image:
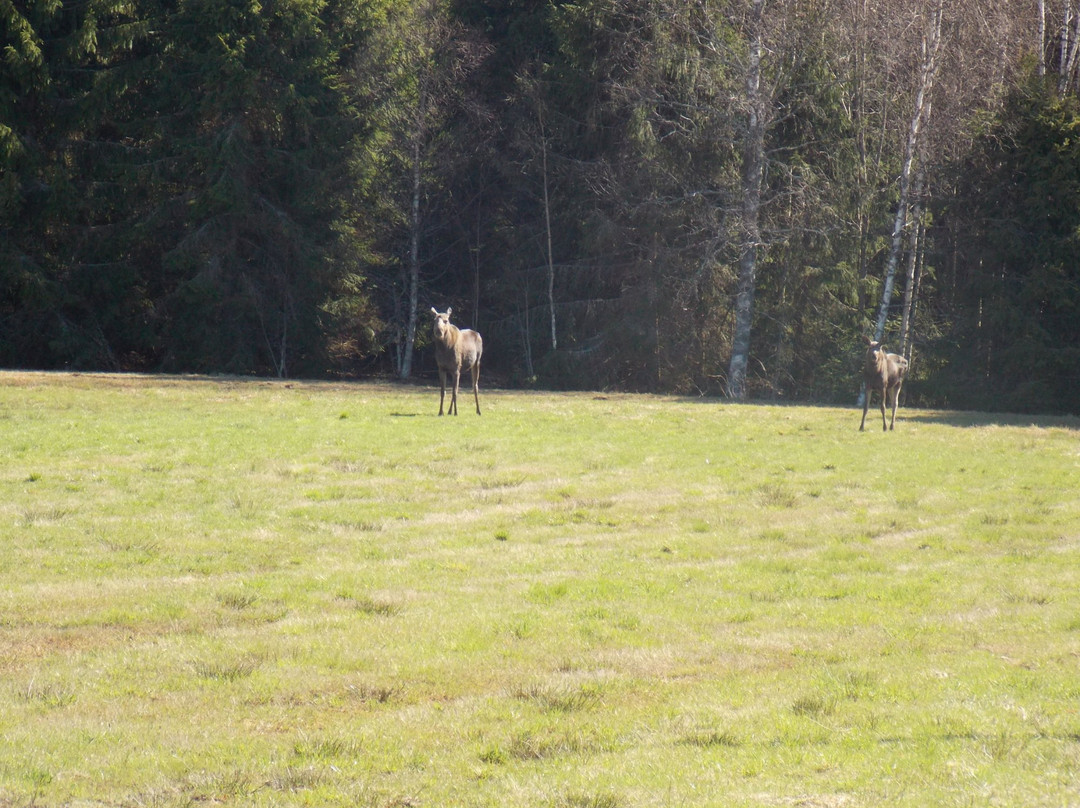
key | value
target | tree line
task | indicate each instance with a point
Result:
(716, 197)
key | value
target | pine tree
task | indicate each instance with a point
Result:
(66, 291)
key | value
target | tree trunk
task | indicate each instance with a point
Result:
(526, 337)
(931, 46)
(914, 244)
(753, 173)
(920, 265)
(1042, 37)
(547, 225)
(863, 172)
(1070, 47)
(413, 281)
(476, 271)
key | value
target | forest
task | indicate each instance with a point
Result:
(702, 197)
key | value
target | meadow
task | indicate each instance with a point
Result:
(249, 592)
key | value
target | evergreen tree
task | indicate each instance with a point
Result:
(67, 294)
(1014, 340)
(248, 130)
(171, 184)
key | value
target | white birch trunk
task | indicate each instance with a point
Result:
(912, 262)
(931, 47)
(1042, 36)
(1063, 42)
(750, 224)
(1065, 46)
(1070, 47)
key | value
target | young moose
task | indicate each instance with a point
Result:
(883, 374)
(456, 349)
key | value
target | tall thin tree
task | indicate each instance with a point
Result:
(919, 117)
(753, 174)
(411, 78)
(547, 219)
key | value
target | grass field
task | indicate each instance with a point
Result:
(267, 593)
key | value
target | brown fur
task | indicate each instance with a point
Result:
(883, 373)
(456, 349)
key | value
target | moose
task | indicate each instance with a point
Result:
(883, 373)
(456, 349)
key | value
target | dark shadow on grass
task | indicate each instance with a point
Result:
(977, 419)
(958, 418)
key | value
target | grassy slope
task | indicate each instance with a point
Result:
(308, 594)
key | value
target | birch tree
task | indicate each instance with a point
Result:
(410, 78)
(537, 90)
(1041, 37)
(1069, 53)
(753, 174)
(784, 79)
(1058, 37)
(916, 238)
(919, 117)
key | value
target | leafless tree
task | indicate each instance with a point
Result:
(931, 49)
(753, 174)
(412, 74)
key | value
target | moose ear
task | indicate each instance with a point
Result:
(865, 338)
(433, 311)
(448, 311)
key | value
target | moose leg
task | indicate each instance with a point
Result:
(884, 395)
(476, 385)
(865, 407)
(453, 398)
(442, 389)
(895, 400)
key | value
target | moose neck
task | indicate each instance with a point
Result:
(449, 335)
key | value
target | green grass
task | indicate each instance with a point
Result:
(263, 593)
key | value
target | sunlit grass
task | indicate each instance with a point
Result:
(264, 593)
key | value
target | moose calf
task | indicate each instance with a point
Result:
(883, 374)
(456, 349)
